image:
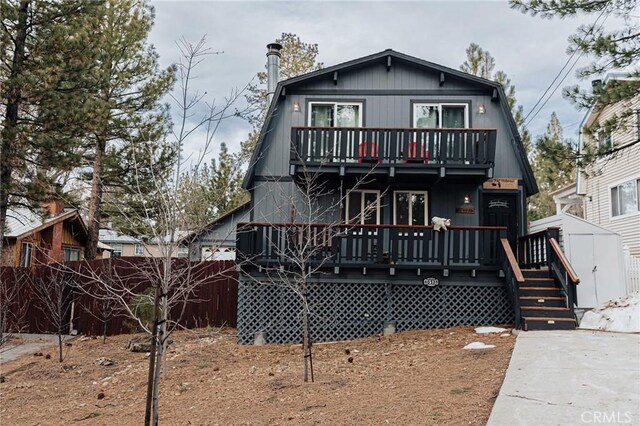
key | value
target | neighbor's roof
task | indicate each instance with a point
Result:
(22, 221)
(114, 237)
(529, 179)
(226, 216)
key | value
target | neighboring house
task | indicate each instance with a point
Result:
(33, 238)
(121, 245)
(611, 185)
(217, 240)
(158, 246)
(430, 141)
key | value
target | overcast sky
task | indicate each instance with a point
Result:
(531, 50)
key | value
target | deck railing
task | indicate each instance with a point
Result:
(370, 245)
(320, 145)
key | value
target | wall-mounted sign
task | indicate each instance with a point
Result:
(500, 183)
(498, 204)
(465, 210)
(430, 282)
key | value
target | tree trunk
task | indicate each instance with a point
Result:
(60, 344)
(95, 203)
(152, 357)
(306, 343)
(9, 139)
(164, 316)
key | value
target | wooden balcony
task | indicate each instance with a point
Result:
(374, 246)
(438, 152)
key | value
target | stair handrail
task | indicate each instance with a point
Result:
(513, 278)
(560, 267)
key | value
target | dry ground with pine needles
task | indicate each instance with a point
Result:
(417, 377)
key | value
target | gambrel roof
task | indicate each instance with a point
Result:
(390, 57)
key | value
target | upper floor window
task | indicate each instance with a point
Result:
(363, 207)
(604, 139)
(139, 249)
(625, 198)
(117, 250)
(410, 208)
(435, 116)
(335, 114)
(25, 255)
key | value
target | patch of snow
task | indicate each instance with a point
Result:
(620, 315)
(489, 330)
(478, 345)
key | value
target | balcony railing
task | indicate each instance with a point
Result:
(370, 245)
(358, 145)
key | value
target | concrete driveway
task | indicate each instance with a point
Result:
(571, 378)
(27, 344)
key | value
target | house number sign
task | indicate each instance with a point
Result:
(430, 282)
(497, 204)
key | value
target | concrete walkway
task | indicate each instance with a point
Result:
(28, 345)
(571, 378)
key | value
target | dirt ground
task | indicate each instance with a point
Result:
(418, 377)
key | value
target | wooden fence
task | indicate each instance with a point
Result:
(211, 300)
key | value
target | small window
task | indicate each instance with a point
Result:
(139, 250)
(117, 250)
(435, 116)
(71, 254)
(363, 207)
(26, 254)
(335, 114)
(604, 139)
(625, 198)
(182, 251)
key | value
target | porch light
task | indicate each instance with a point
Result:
(481, 109)
(466, 207)
(296, 106)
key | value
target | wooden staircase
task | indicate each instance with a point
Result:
(540, 282)
(542, 304)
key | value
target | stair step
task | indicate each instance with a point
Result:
(535, 273)
(549, 301)
(546, 311)
(548, 323)
(539, 282)
(540, 292)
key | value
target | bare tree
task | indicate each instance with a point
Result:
(304, 247)
(52, 290)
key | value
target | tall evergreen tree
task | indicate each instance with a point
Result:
(211, 190)
(45, 72)
(297, 58)
(126, 113)
(552, 167)
(611, 48)
(481, 63)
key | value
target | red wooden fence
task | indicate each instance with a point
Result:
(212, 299)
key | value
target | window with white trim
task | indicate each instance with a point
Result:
(138, 250)
(625, 198)
(604, 139)
(363, 207)
(440, 115)
(117, 249)
(335, 114)
(410, 208)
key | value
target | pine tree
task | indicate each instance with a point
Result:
(217, 186)
(481, 63)
(297, 58)
(45, 72)
(126, 113)
(612, 48)
(552, 167)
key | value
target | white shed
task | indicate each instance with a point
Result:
(595, 254)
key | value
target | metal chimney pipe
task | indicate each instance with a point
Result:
(273, 69)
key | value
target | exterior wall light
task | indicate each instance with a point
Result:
(481, 109)
(296, 106)
(466, 207)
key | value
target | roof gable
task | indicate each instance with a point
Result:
(22, 221)
(389, 57)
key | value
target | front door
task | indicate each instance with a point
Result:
(502, 210)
